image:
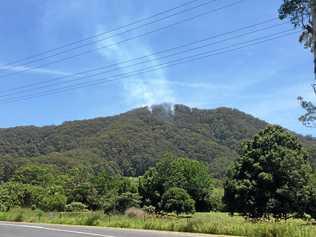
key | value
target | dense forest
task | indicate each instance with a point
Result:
(162, 159)
(132, 142)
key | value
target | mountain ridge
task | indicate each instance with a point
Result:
(136, 139)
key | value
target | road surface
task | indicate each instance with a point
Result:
(11, 229)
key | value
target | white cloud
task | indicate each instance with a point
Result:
(144, 89)
(25, 69)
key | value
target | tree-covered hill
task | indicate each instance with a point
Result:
(135, 140)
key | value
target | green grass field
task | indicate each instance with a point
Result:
(212, 223)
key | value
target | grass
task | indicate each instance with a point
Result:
(211, 223)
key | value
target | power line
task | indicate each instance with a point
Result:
(102, 33)
(128, 39)
(41, 85)
(118, 34)
(172, 63)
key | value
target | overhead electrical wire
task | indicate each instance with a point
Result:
(115, 35)
(56, 81)
(196, 57)
(101, 33)
(127, 39)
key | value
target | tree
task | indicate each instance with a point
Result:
(126, 200)
(216, 199)
(190, 175)
(6, 199)
(35, 174)
(302, 13)
(54, 199)
(84, 193)
(177, 200)
(312, 201)
(271, 176)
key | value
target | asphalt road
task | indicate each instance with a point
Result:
(10, 229)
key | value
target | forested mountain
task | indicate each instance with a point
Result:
(133, 141)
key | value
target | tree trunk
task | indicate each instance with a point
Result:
(314, 34)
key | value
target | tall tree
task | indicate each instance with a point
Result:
(190, 175)
(270, 178)
(302, 14)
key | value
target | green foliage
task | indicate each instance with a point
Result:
(131, 142)
(20, 195)
(53, 200)
(76, 207)
(50, 168)
(299, 12)
(216, 199)
(85, 193)
(190, 175)
(270, 177)
(34, 174)
(312, 201)
(177, 200)
(35, 186)
(5, 200)
(209, 223)
(127, 200)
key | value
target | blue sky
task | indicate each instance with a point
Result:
(262, 80)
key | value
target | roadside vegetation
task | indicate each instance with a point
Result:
(212, 223)
(269, 191)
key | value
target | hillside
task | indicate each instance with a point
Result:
(135, 140)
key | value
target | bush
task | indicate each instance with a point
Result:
(127, 200)
(92, 220)
(53, 203)
(11, 195)
(108, 204)
(135, 212)
(177, 200)
(4, 207)
(149, 209)
(19, 217)
(215, 199)
(76, 207)
(191, 175)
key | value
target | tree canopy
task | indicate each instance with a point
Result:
(132, 142)
(192, 176)
(270, 178)
(177, 200)
(302, 14)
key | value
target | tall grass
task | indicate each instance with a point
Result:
(211, 223)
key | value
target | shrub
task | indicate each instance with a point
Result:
(4, 207)
(127, 200)
(76, 207)
(19, 217)
(191, 175)
(135, 212)
(177, 200)
(149, 209)
(92, 220)
(53, 203)
(108, 204)
(215, 199)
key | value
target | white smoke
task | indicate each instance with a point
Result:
(142, 90)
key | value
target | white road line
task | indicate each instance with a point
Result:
(56, 230)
